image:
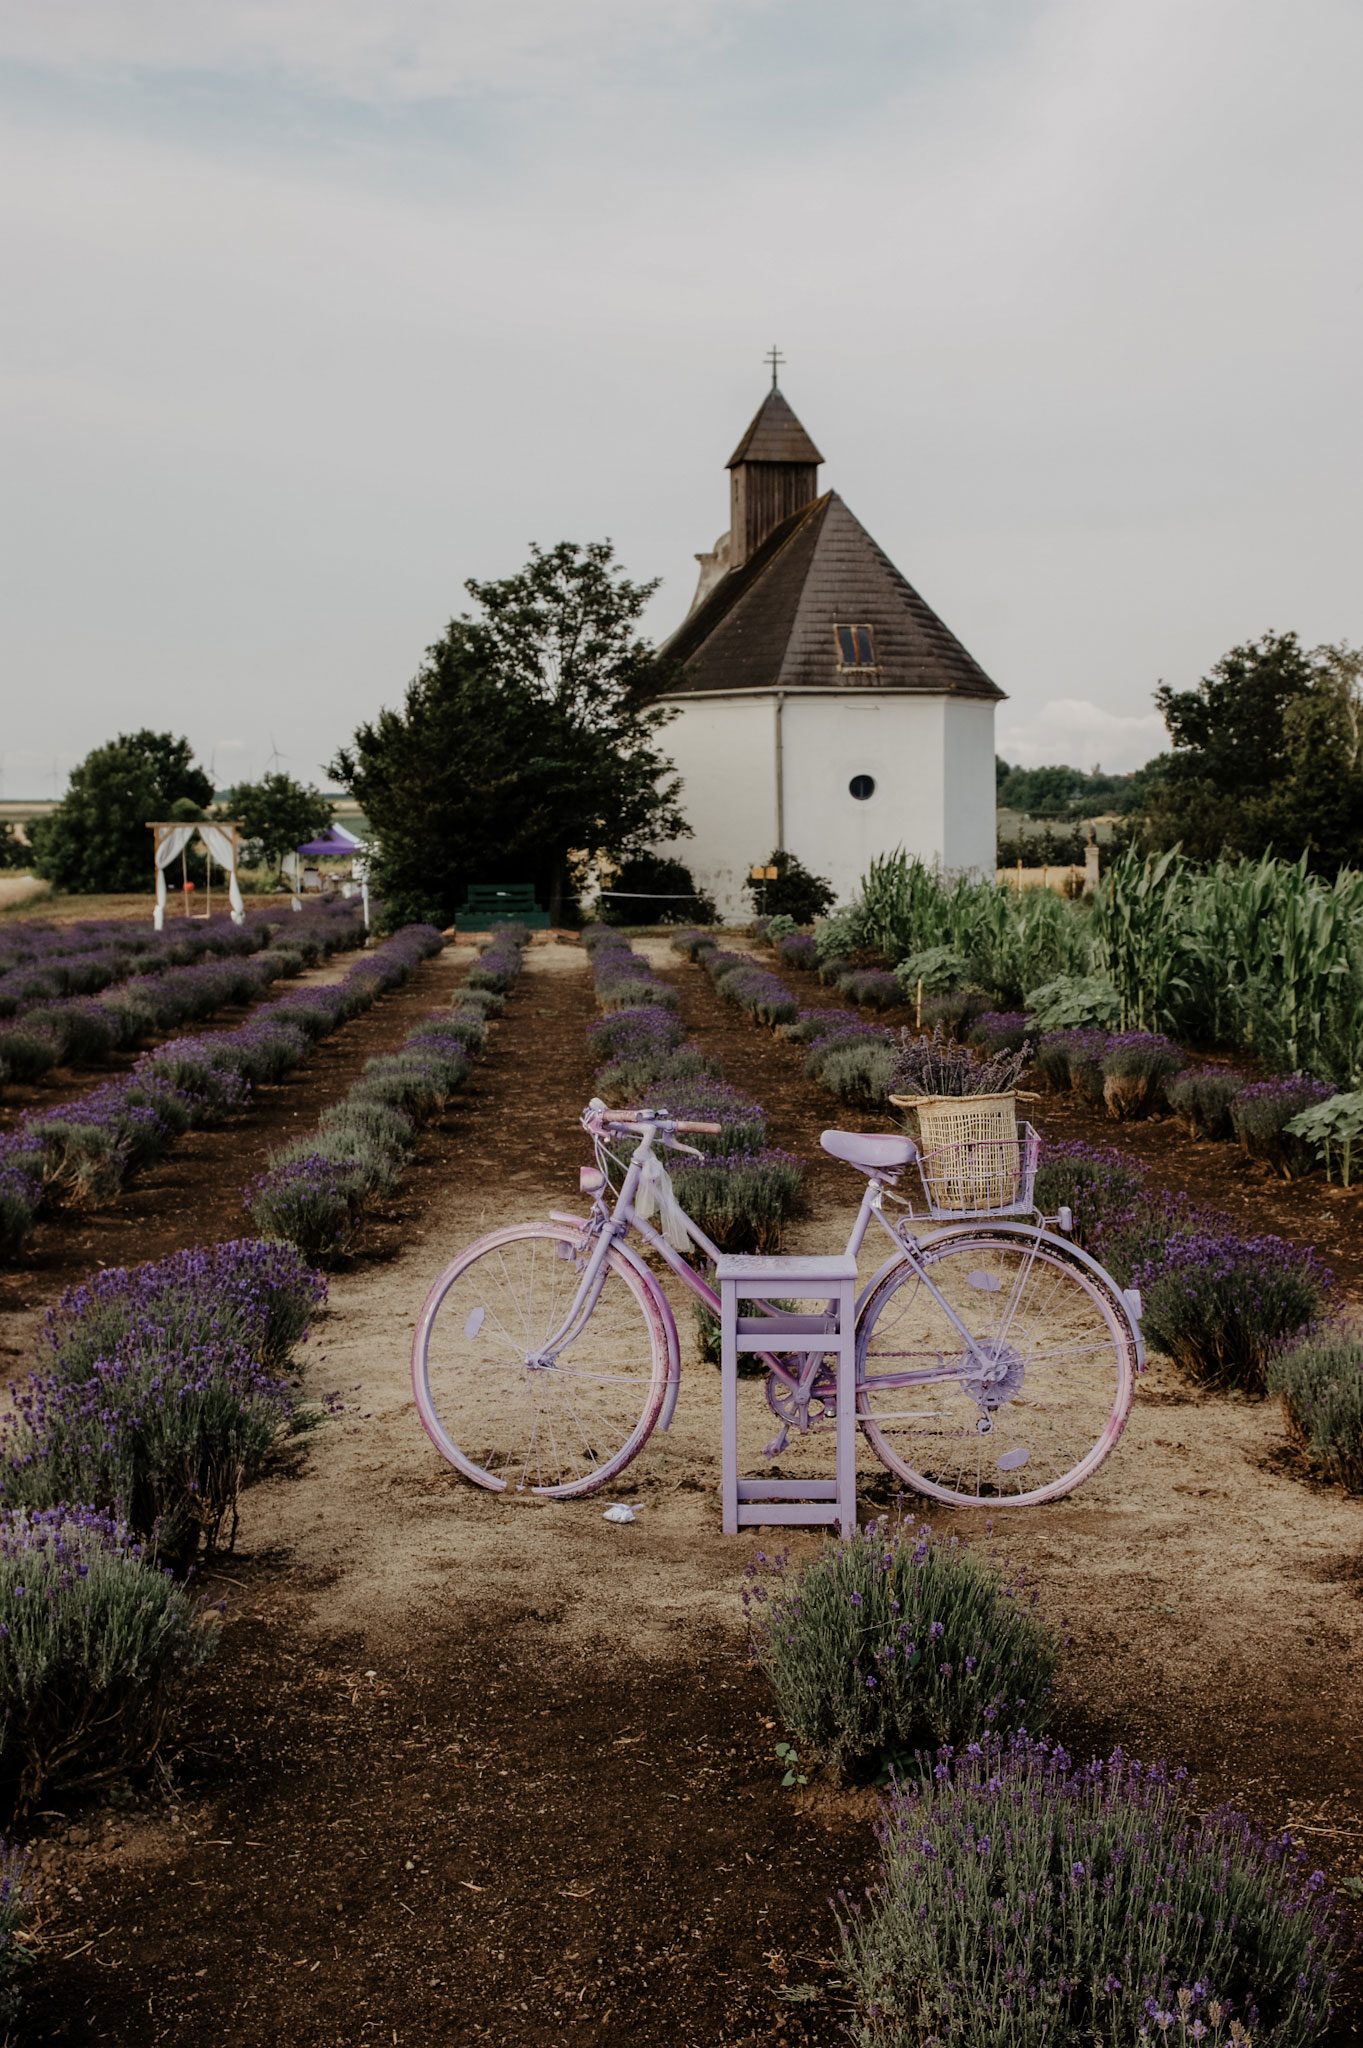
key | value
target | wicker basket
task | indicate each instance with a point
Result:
(971, 1154)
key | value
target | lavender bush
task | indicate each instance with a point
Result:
(693, 943)
(875, 987)
(957, 1010)
(1320, 1384)
(1136, 1068)
(1095, 1185)
(856, 1062)
(159, 1398)
(26, 1052)
(312, 1200)
(1261, 1113)
(262, 1296)
(498, 969)
(624, 1034)
(814, 1024)
(741, 1199)
(757, 992)
(860, 1072)
(1025, 1902)
(891, 1642)
(164, 1439)
(798, 949)
(1073, 1060)
(485, 999)
(743, 1122)
(996, 1031)
(1200, 1098)
(623, 1081)
(1218, 1304)
(95, 1647)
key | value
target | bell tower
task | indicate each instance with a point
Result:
(773, 472)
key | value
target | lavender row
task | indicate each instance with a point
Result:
(78, 1029)
(741, 1190)
(158, 1395)
(316, 1189)
(740, 978)
(83, 1153)
(622, 978)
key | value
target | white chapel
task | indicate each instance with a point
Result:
(824, 708)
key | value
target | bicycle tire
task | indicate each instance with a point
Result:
(554, 1430)
(1057, 1382)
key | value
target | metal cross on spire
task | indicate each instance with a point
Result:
(774, 357)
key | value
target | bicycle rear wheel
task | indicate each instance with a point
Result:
(502, 1417)
(1033, 1407)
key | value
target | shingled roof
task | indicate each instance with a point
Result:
(774, 436)
(769, 623)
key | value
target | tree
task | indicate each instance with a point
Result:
(527, 738)
(276, 815)
(14, 851)
(795, 892)
(651, 890)
(97, 838)
(1266, 754)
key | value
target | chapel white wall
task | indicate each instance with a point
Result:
(931, 759)
(725, 755)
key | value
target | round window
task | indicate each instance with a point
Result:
(862, 786)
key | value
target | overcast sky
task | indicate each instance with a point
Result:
(317, 307)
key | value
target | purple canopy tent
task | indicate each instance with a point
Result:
(334, 843)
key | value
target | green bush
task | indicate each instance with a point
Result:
(939, 968)
(1320, 1384)
(1073, 1001)
(839, 935)
(891, 1642)
(95, 1646)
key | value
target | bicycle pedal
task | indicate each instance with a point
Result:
(777, 1445)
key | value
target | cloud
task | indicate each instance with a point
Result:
(1069, 297)
(405, 49)
(1076, 733)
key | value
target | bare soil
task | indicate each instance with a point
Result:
(470, 1769)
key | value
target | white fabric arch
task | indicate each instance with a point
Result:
(220, 844)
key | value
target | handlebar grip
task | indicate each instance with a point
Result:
(714, 1129)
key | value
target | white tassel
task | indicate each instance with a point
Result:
(656, 1193)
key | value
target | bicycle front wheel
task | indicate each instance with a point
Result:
(1032, 1405)
(506, 1413)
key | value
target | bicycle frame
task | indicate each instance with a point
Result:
(611, 1224)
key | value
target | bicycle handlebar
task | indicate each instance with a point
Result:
(599, 1112)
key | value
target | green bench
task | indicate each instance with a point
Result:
(493, 903)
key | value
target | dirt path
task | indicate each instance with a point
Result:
(477, 1770)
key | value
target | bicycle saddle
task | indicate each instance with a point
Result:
(870, 1151)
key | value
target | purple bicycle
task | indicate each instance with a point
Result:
(996, 1361)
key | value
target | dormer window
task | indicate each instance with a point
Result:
(856, 647)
